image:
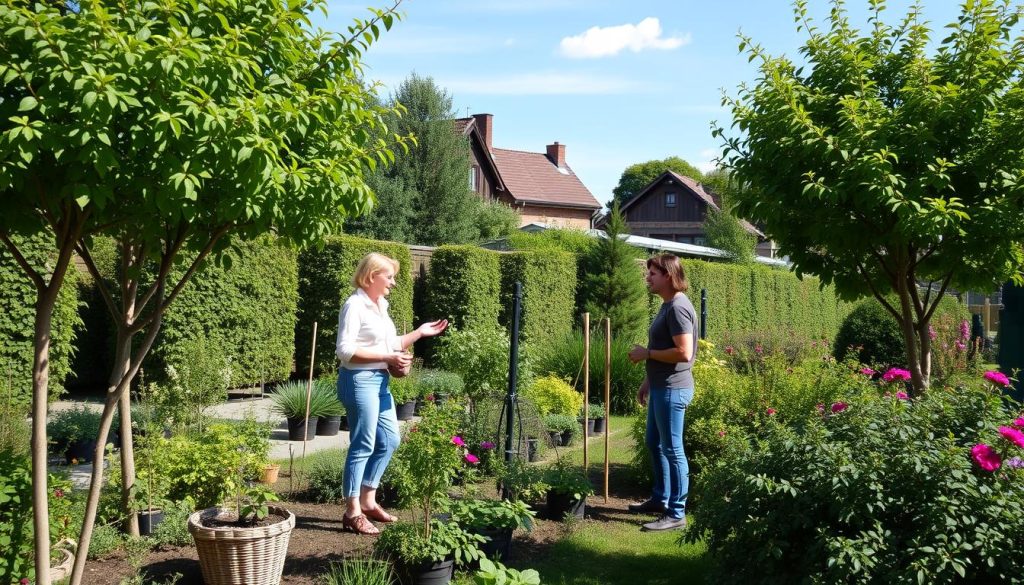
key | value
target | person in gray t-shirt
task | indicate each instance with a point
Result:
(667, 390)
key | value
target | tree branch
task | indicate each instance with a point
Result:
(32, 273)
(90, 264)
(938, 298)
(878, 295)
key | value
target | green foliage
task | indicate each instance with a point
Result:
(433, 382)
(481, 357)
(242, 306)
(563, 358)
(565, 478)
(193, 383)
(884, 491)
(106, 538)
(879, 164)
(639, 175)
(615, 286)
(463, 286)
(485, 514)
(408, 543)
(201, 465)
(492, 573)
(497, 220)
(289, 400)
(16, 561)
(561, 423)
(553, 395)
(17, 321)
(325, 282)
(725, 232)
(549, 289)
(871, 335)
(173, 531)
(577, 242)
(522, 481)
(404, 389)
(79, 423)
(595, 410)
(326, 480)
(14, 427)
(359, 571)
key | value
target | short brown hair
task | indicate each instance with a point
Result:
(371, 264)
(670, 265)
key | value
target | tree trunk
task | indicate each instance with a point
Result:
(918, 375)
(122, 365)
(45, 301)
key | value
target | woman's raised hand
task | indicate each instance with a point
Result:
(433, 328)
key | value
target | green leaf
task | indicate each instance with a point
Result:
(27, 103)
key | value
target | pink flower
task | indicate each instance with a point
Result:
(758, 349)
(770, 412)
(965, 330)
(1012, 435)
(838, 407)
(1019, 423)
(470, 458)
(902, 395)
(896, 374)
(820, 407)
(486, 445)
(24, 581)
(960, 346)
(429, 398)
(986, 457)
(931, 332)
(996, 377)
(457, 440)
(867, 372)
(58, 493)
(721, 433)
(729, 350)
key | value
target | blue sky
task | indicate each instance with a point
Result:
(616, 81)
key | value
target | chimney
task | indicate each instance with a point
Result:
(556, 152)
(484, 123)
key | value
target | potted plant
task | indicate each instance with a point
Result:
(595, 412)
(247, 544)
(150, 481)
(289, 401)
(324, 401)
(520, 481)
(404, 393)
(425, 550)
(532, 449)
(568, 488)
(495, 520)
(436, 385)
(74, 432)
(564, 425)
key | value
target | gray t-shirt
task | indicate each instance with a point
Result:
(675, 317)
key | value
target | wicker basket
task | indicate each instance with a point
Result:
(241, 556)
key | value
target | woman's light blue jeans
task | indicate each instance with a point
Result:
(373, 427)
(666, 411)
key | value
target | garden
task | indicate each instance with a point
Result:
(176, 177)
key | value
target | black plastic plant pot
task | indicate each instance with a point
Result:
(556, 438)
(429, 573)
(406, 410)
(590, 427)
(328, 426)
(148, 521)
(499, 543)
(559, 504)
(297, 428)
(532, 449)
(567, 438)
(80, 451)
(599, 425)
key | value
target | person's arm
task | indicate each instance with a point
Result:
(425, 330)
(347, 350)
(681, 351)
(643, 392)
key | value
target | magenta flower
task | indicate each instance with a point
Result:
(986, 457)
(24, 581)
(486, 445)
(721, 433)
(996, 377)
(58, 493)
(894, 374)
(867, 372)
(470, 458)
(820, 407)
(902, 395)
(1019, 423)
(960, 346)
(1012, 435)
(758, 349)
(729, 350)
(838, 407)
(457, 440)
(965, 330)
(770, 412)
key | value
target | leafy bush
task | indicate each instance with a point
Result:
(484, 514)
(563, 358)
(433, 382)
(106, 538)
(203, 466)
(194, 381)
(481, 355)
(404, 389)
(577, 242)
(463, 286)
(549, 289)
(871, 335)
(359, 571)
(561, 423)
(289, 400)
(492, 573)
(878, 490)
(16, 548)
(553, 395)
(79, 423)
(326, 480)
(173, 531)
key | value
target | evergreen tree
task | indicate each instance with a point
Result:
(615, 284)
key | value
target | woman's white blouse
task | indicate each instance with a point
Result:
(365, 324)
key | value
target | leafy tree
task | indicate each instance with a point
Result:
(723, 229)
(614, 285)
(172, 127)
(495, 219)
(392, 215)
(638, 176)
(879, 166)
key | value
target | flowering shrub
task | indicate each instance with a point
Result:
(887, 491)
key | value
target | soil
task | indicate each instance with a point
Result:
(230, 521)
(318, 540)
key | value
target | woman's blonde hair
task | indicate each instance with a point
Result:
(371, 264)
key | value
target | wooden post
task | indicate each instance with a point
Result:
(309, 390)
(607, 395)
(586, 385)
(986, 316)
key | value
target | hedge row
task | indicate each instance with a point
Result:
(17, 322)
(325, 281)
(245, 306)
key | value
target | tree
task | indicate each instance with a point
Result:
(723, 229)
(879, 167)
(614, 285)
(638, 176)
(173, 128)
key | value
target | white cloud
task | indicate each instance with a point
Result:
(611, 40)
(548, 83)
(707, 162)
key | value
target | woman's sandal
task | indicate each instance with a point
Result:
(379, 515)
(359, 525)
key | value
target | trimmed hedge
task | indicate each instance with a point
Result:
(577, 242)
(549, 289)
(464, 286)
(759, 298)
(17, 320)
(325, 281)
(244, 301)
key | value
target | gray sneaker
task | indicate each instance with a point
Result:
(665, 523)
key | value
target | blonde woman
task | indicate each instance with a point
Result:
(368, 345)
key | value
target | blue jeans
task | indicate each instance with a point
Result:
(373, 427)
(666, 410)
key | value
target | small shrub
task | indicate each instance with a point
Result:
(404, 389)
(480, 355)
(553, 395)
(16, 560)
(79, 423)
(434, 382)
(173, 531)
(106, 538)
(359, 571)
(326, 477)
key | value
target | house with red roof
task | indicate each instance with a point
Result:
(540, 185)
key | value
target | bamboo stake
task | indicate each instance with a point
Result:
(309, 390)
(607, 395)
(586, 385)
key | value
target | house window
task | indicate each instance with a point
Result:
(670, 199)
(472, 179)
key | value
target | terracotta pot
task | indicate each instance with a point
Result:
(270, 474)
